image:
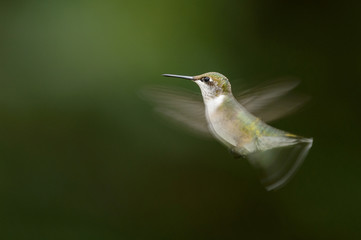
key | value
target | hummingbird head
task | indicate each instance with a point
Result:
(212, 84)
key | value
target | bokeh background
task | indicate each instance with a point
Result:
(82, 156)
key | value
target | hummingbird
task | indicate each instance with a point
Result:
(240, 123)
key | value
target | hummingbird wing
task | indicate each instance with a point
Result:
(181, 106)
(271, 101)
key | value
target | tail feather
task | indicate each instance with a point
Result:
(276, 166)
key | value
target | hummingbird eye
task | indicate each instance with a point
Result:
(205, 79)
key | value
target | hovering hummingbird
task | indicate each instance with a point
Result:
(276, 154)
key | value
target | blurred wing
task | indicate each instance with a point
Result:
(272, 100)
(181, 106)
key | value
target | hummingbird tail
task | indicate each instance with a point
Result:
(276, 166)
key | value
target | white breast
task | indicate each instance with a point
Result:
(213, 103)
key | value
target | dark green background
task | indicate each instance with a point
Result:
(82, 156)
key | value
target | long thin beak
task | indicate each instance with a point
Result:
(178, 76)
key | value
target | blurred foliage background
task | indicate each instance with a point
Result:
(82, 156)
